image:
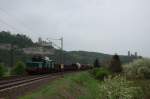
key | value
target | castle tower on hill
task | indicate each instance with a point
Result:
(136, 54)
(129, 54)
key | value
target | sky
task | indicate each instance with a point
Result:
(107, 26)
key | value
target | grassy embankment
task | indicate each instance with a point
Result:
(77, 86)
(72, 86)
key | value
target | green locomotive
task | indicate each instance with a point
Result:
(40, 65)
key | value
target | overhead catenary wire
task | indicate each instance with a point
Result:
(16, 19)
(12, 27)
(12, 17)
(60, 47)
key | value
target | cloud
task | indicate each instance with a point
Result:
(108, 26)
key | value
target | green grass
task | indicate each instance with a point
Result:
(84, 86)
(145, 85)
(72, 86)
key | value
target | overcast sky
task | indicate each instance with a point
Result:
(108, 26)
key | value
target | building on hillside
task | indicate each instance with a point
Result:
(5, 46)
(38, 50)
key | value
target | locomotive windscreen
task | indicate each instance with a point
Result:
(37, 58)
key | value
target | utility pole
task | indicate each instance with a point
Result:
(12, 55)
(60, 47)
(61, 50)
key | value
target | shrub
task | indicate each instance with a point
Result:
(19, 69)
(119, 88)
(2, 70)
(138, 68)
(100, 73)
(115, 64)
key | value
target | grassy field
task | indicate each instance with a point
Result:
(78, 86)
(72, 86)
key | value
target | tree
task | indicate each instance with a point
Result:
(19, 69)
(96, 63)
(19, 40)
(115, 64)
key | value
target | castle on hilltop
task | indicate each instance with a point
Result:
(132, 55)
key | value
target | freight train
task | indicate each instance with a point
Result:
(42, 65)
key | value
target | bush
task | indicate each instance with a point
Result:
(19, 69)
(115, 64)
(138, 69)
(100, 73)
(2, 70)
(119, 88)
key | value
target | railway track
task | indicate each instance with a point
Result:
(13, 79)
(4, 84)
(8, 84)
(13, 88)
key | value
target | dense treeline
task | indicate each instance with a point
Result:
(17, 39)
(22, 41)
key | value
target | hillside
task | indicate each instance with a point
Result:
(22, 41)
(89, 57)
